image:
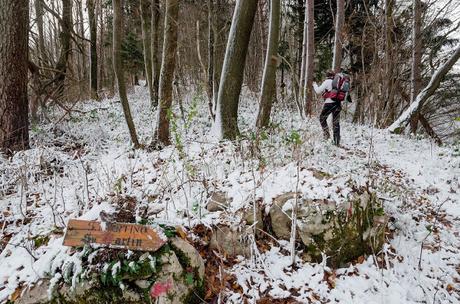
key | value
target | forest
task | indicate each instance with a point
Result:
(229, 151)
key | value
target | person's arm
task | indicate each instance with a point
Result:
(320, 89)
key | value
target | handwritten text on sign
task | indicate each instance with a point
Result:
(114, 235)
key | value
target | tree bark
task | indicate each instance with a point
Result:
(66, 28)
(93, 48)
(308, 93)
(339, 19)
(233, 69)
(220, 34)
(416, 80)
(155, 50)
(303, 63)
(118, 68)
(146, 42)
(14, 27)
(400, 124)
(42, 54)
(210, 80)
(271, 63)
(167, 72)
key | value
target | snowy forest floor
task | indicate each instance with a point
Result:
(76, 166)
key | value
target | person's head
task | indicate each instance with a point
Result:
(330, 74)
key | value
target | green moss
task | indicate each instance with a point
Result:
(347, 242)
(40, 240)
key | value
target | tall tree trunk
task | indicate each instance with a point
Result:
(210, 80)
(155, 50)
(303, 63)
(220, 34)
(399, 125)
(167, 72)
(339, 19)
(14, 29)
(66, 27)
(82, 47)
(118, 67)
(416, 80)
(271, 63)
(386, 111)
(93, 47)
(233, 69)
(42, 54)
(308, 93)
(146, 15)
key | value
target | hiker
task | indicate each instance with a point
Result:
(334, 90)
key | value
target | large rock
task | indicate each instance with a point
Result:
(231, 240)
(280, 215)
(173, 275)
(343, 232)
(218, 201)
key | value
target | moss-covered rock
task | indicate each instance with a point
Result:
(172, 275)
(341, 232)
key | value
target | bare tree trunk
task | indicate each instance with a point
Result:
(220, 34)
(42, 54)
(399, 125)
(93, 47)
(233, 69)
(82, 47)
(14, 29)
(118, 68)
(146, 12)
(416, 80)
(271, 63)
(308, 93)
(61, 66)
(167, 72)
(303, 64)
(155, 49)
(340, 17)
(210, 75)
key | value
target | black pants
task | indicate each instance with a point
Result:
(334, 109)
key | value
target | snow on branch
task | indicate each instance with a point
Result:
(399, 125)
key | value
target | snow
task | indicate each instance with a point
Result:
(75, 169)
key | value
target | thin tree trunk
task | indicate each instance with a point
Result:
(340, 17)
(308, 93)
(400, 124)
(93, 48)
(14, 27)
(210, 75)
(39, 12)
(303, 58)
(429, 130)
(271, 63)
(167, 72)
(233, 69)
(416, 81)
(220, 34)
(146, 42)
(155, 49)
(119, 70)
(61, 66)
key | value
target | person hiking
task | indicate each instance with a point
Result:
(334, 92)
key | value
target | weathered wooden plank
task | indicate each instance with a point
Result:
(113, 235)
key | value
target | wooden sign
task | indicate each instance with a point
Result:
(113, 235)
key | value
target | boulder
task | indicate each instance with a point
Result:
(231, 240)
(218, 201)
(280, 216)
(342, 232)
(172, 275)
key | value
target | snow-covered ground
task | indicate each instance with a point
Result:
(77, 166)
